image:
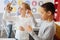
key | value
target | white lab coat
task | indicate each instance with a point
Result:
(46, 31)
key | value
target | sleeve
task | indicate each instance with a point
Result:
(35, 37)
(9, 18)
(49, 32)
(32, 23)
(4, 15)
(12, 18)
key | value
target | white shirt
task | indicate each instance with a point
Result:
(46, 31)
(22, 21)
(23, 35)
(6, 14)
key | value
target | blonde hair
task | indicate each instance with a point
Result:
(27, 6)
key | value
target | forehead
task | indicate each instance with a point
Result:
(22, 6)
(42, 9)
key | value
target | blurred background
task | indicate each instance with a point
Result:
(35, 4)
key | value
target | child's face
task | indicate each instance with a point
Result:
(44, 15)
(22, 9)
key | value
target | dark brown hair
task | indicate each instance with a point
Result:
(49, 7)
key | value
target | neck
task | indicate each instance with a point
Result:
(50, 18)
(23, 14)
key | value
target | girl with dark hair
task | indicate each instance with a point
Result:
(47, 27)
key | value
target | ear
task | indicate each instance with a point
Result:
(49, 13)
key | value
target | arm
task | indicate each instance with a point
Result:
(48, 34)
(9, 18)
(32, 33)
(35, 37)
(12, 18)
(4, 15)
(32, 23)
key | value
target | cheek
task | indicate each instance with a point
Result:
(21, 11)
(43, 16)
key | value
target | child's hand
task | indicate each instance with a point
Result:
(21, 28)
(28, 28)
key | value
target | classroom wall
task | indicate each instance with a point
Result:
(35, 4)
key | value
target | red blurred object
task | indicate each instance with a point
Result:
(57, 7)
(58, 12)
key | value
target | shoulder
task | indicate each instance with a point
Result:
(51, 25)
(48, 24)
